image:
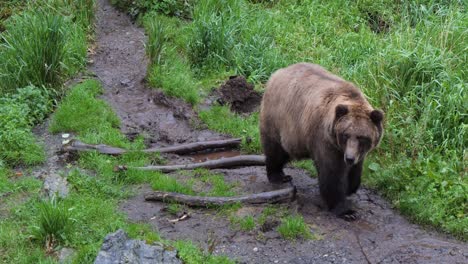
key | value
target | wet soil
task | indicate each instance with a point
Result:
(380, 235)
(239, 94)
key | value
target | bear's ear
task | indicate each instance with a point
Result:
(376, 116)
(341, 110)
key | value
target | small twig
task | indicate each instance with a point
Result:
(183, 217)
(243, 160)
(361, 247)
(283, 195)
(76, 145)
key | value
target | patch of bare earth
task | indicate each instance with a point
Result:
(380, 235)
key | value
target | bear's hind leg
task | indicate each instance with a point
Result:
(354, 178)
(276, 158)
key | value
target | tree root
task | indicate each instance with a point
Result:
(282, 195)
(242, 160)
(77, 145)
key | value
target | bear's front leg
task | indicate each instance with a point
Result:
(333, 184)
(354, 178)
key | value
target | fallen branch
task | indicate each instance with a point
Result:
(242, 160)
(77, 145)
(198, 146)
(283, 195)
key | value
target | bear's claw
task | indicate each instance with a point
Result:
(287, 178)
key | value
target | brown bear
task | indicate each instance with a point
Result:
(307, 112)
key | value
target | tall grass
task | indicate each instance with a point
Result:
(53, 225)
(33, 51)
(41, 47)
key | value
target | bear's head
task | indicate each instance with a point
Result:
(357, 130)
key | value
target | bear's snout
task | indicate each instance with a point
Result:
(349, 161)
(351, 155)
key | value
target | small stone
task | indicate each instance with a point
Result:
(125, 82)
(255, 249)
(65, 135)
(65, 254)
(65, 142)
(276, 261)
(55, 184)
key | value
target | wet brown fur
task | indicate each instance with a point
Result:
(298, 121)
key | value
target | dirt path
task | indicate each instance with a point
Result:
(380, 236)
(121, 65)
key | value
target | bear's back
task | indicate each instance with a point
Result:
(299, 101)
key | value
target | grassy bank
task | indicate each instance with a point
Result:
(41, 47)
(408, 57)
(34, 229)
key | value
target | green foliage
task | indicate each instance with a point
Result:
(220, 119)
(81, 12)
(81, 112)
(7, 9)
(174, 77)
(191, 254)
(216, 182)
(230, 34)
(53, 223)
(307, 165)
(431, 189)
(9, 185)
(18, 113)
(178, 8)
(169, 69)
(162, 182)
(40, 48)
(246, 223)
(293, 227)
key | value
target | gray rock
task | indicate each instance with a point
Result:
(119, 249)
(55, 184)
(65, 255)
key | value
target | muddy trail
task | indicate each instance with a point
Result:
(380, 235)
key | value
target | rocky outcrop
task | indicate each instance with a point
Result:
(119, 249)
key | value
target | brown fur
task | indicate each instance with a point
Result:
(305, 113)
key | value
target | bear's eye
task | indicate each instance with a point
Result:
(344, 137)
(364, 141)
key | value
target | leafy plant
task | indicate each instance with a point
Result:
(53, 225)
(293, 227)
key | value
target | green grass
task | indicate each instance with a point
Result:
(246, 223)
(216, 182)
(294, 227)
(81, 112)
(18, 113)
(169, 68)
(7, 9)
(40, 47)
(192, 254)
(53, 224)
(162, 182)
(220, 119)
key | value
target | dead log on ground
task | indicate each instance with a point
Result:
(77, 145)
(242, 160)
(283, 195)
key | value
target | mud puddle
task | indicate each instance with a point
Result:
(380, 235)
